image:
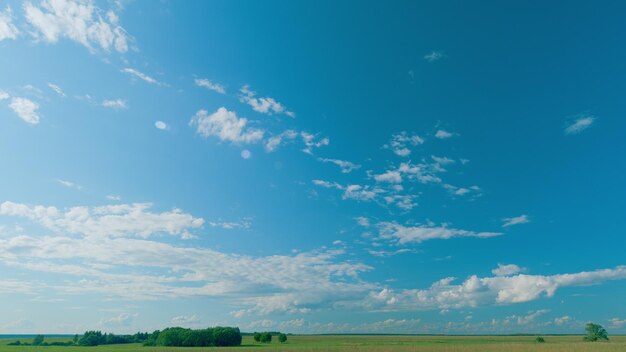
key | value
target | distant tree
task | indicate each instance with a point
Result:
(266, 337)
(257, 336)
(540, 339)
(595, 332)
(282, 338)
(92, 338)
(38, 340)
(75, 339)
(15, 343)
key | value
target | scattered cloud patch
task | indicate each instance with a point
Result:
(69, 184)
(265, 105)
(462, 191)
(311, 143)
(4, 95)
(617, 323)
(225, 125)
(7, 28)
(522, 219)
(346, 166)
(275, 141)
(400, 234)
(244, 224)
(116, 104)
(78, 20)
(401, 142)
(114, 197)
(26, 109)
(216, 87)
(184, 319)
(579, 125)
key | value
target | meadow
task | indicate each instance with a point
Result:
(374, 343)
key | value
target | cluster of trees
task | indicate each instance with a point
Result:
(39, 341)
(95, 338)
(181, 337)
(266, 337)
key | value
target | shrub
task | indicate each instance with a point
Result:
(540, 339)
(38, 340)
(266, 337)
(257, 336)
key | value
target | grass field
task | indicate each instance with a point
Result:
(367, 343)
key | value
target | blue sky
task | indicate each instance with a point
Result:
(312, 167)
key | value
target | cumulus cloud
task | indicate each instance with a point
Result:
(265, 105)
(392, 176)
(78, 20)
(4, 95)
(216, 87)
(617, 323)
(311, 142)
(26, 109)
(161, 125)
(7, 28)
(507, 270)
(346, 166)
(579, 125)
(442, 134)
(401, 142)
(107, 221)
(116, 104)
(142, 76)
(522, 219)
(225, 125)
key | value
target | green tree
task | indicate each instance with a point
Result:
(257, 336)
(540, 339)
(595, 332)
(266, 337)
(282, 338)
(38, 340)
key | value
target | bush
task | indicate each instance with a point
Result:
(540, 339)
(282, 338)
(257, 336)
(595, 332)
(15, 343)
(38, 340)
(266, 337)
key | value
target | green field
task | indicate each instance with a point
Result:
(366, 343)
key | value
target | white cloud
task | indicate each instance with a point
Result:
(462, 191)
(229, 225)
(400, 234)
(617, 323)
(124, 319)
(109, 221)
(434, 56)
(161, 125)
(362, 221)
(275, 141)
(581, 124)
(216, 87)
(404, 202)
(562, 320)
(522, 219)
(7, 28)
(507, 270)
(56, 89)
(442, 134)
(442, 160)
(346, 166)
(115, 104)
(265, 105)
(4, 95)
(529, 318)
(226, 126)
(310, 143)
(114, 197)
(77, 20)
(184, 319)
(69, 184)
(391, 176)
(355, 192)
(142, 76)
(26, 109)
(401, 142)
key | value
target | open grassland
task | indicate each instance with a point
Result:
(365, 343)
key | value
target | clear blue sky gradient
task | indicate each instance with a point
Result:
(530, 93)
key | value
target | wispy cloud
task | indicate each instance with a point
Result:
(7, 28)
(57, 89)
(216, 87)
(400, 143)
(265, 105)
(443, 134)
(400, 234)
(346, 166)
(275, 141)
(434, 56)
(142, 76)
(312, 142)
(522, 219)
(225, 125)
(79, 21)
(69, 184)
(579, 125)
(26, 109)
